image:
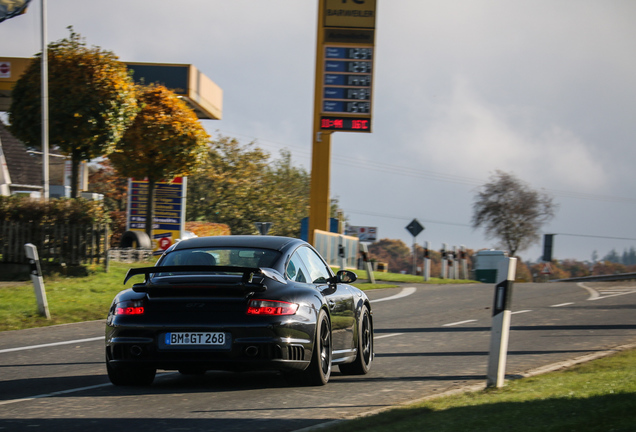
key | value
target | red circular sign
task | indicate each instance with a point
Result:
(164, 243)
(5, 68)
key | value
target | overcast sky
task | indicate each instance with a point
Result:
(543, 89)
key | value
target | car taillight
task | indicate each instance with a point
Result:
(271, 307)
(130, 308)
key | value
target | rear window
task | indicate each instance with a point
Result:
(232, 257)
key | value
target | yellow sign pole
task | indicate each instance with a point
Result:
(345, 46)
(321, 152)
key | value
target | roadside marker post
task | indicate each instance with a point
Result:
(427, 261)
(364, 250)
(444, 263)
(455, 263)
(464, 262)
(36, 277)
(500, 330)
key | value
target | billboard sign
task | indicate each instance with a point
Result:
(169, 218)
(364, 233)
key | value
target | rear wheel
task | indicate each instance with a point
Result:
(362, 363)
(319, 369)
(130, 375)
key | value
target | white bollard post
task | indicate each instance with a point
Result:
(36, 278)
(501, 322)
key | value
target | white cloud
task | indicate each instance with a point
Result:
(475, 138)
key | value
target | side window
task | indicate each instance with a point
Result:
(318, 271)
(295, 269)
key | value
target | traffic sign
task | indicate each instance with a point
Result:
(415, 227)
(263, 227)
(546, 269)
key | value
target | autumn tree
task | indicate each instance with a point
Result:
(165, 140)
(230, 186)
(238, 185)
(510, 211)
(103, 179)
(91, 98)
(394, 252)
(289, 195)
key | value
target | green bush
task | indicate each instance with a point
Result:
(68, 211)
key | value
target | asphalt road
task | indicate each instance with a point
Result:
(428, 339)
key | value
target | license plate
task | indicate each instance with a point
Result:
(198, 338)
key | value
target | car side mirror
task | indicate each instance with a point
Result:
(346, 276)
(343, 276)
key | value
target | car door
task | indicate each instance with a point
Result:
(339, 298)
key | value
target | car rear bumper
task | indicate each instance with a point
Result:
(266, 351)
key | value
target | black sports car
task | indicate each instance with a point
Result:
(239, 303)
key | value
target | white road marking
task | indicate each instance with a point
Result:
(562, 304)
(404, 293)
(386, 336)
(52, 344)
(458, 323)
(57, 393)
(612, 292)
(518, 312)
(613, 295)
(593, 293)
(75, 390)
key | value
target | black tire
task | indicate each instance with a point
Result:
(319, 369)
(362, 364)
(130, 375)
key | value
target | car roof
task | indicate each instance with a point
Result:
(251, 241)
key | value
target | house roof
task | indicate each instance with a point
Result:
(24, 168)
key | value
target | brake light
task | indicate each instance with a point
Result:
(271, 307)
(130, 308)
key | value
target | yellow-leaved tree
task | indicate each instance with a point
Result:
(91, 98)
(165, 140)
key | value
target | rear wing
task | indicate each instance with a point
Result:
(248, 272)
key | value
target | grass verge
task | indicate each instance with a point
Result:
(591, 397)
(391, 279)
(70, 299)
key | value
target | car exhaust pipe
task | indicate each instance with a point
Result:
(251, 351)
(136, 350)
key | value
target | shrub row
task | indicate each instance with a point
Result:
(63, 210)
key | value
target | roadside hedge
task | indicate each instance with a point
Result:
(55, 211)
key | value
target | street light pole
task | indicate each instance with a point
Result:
(45, 107)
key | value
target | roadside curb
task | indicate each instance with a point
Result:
(479, 387)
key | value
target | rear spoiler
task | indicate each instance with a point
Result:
(248, 272)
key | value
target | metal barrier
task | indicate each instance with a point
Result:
(337, 249)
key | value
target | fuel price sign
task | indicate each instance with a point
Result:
(346, 89)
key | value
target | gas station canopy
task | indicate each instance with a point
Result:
(197, 90)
